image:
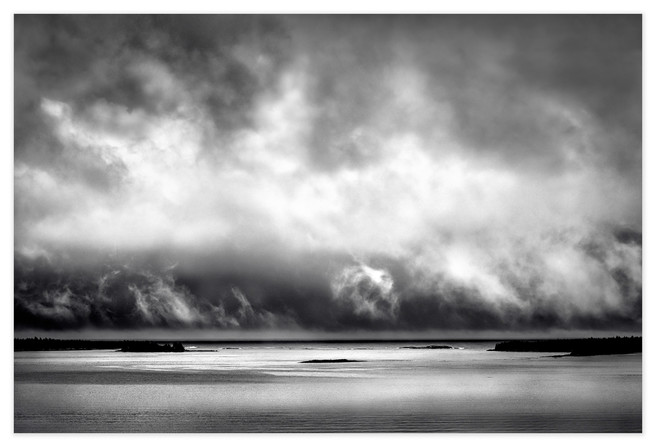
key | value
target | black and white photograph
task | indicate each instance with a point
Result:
(327, 223)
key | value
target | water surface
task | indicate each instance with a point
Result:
(265, 388)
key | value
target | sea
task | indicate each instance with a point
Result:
(265, 387)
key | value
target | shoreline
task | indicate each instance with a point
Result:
(573, 346)
(579, 347)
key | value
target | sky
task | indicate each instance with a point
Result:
(232, 175)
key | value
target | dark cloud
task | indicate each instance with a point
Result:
(325, 292)
(131, 61)
(328, 173)
(496, 80)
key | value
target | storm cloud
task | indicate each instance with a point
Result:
(328, 173)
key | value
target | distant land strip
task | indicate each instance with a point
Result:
(51, 344)
(576, 347)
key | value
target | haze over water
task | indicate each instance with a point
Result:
(264, 388)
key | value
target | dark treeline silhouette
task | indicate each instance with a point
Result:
(51, 344)
(576, 347)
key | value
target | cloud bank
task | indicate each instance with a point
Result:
(330, 173)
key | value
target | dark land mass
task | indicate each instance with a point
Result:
(427, 347)
(332, 361)
(576, 347)
(50, 344)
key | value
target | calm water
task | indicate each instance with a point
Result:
(264, 388)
